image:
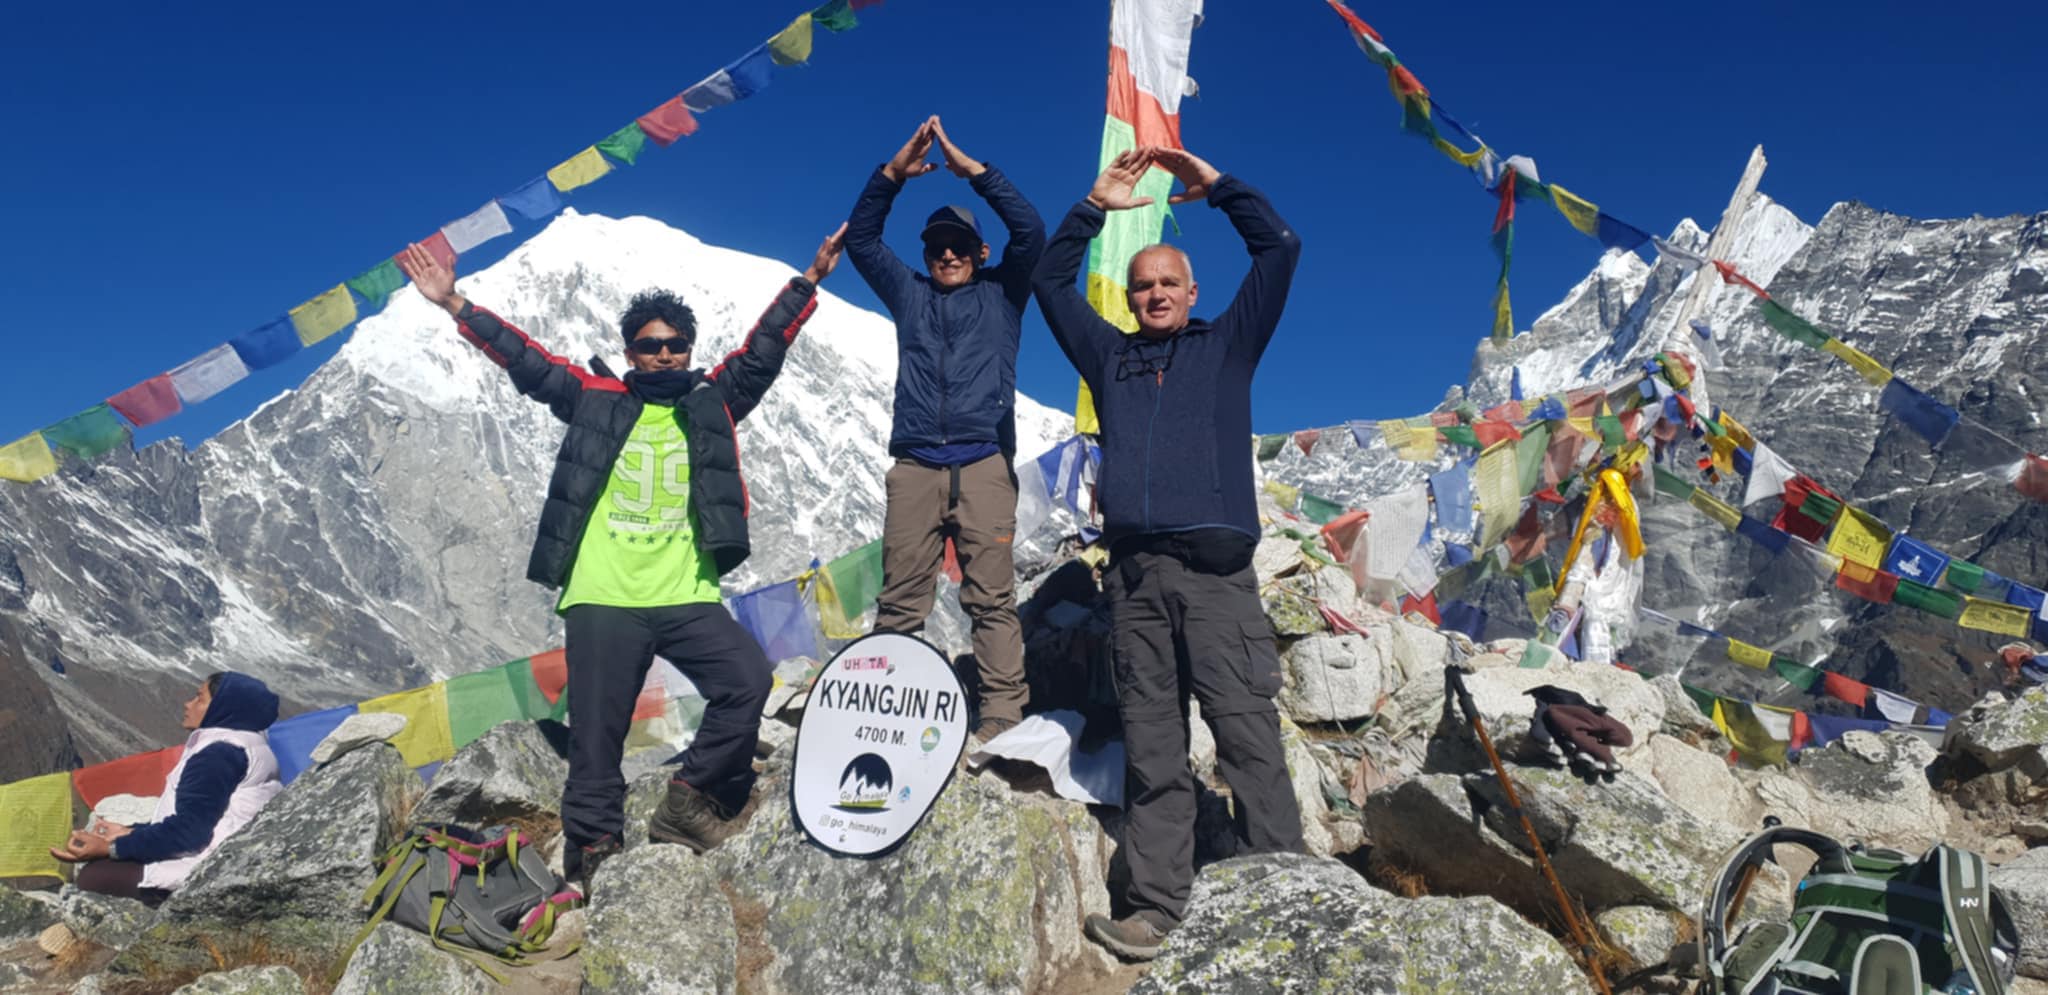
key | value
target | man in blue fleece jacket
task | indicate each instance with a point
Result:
(1181, 521)
(224, 777)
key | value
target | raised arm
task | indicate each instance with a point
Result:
(747, 372)
(535, 372)
(1026, 229)
(886, 274)
(1082, 334)
(1275, 250)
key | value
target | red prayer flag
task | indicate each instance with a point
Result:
(1508, 411)
(1844, 689)
(1341, 533)
(143, 774)
(1585, 402)
(652, 703)
(1405, 84)
(1338, 623)
(1790, 520)
(1490, 432)
(952, 566)
(1631, 424)
(1425, 604)
(1505, 214)
(1525, 543)
(1866, 583)
(1443, 419)
(1731, 276)
(2033, 479)
(550, 673)
(148, 402)
(1802, 731)
(668, 122)
(1306, 439)
(438, 247)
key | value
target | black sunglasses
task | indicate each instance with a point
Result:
(963, 250)
(674, 343)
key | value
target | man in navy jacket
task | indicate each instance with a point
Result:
(954, 431)
(1181, 521)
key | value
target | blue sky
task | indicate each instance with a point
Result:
(183, 173)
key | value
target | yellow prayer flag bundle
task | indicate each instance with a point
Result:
(1995, 616)
(1859, 538)
(35, 815)
(1749, 656)
(1869, 369)
(581, 169)
(425, 738)
(27, 459)
(324, 315)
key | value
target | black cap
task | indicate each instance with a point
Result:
(951, 218)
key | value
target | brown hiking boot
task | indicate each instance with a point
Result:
(1133, 937)
(587, 859)
(693, 819)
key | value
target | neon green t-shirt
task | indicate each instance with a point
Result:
(639, 549)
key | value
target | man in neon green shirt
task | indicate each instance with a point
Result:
(645, 511)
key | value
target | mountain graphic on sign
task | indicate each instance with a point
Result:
(865, 785)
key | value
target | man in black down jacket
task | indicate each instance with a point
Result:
(645, 511)
(1181, 522)
(955, 432)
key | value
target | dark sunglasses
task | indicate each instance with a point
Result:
(962, 250)
(674, 343)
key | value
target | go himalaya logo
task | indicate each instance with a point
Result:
(866, 783)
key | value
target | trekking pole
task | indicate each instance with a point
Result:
(1454, 685)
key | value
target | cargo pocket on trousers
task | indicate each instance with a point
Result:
(1236, 667)
(1262, 658)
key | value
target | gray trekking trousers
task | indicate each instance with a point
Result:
(1179, 632)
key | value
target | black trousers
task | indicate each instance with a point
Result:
(1181, 632)
(119, 878)
(609, 651)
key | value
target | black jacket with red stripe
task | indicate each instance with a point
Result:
(600, 412)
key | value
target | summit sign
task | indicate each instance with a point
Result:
(884, 726)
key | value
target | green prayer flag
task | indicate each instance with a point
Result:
(1713, 426)
(624, 144)
(1673, 484)
(1466, 411)
(1321, 511)
(1964, 576)
(1612, 438)
(478, 702)
(1701, 697)
(1529, 454)
(378, 283)
(1798, 674)
(89, 434)
(1537, 573)
(1791, 325)
(835, 16)
(857, 579)
(1461, 435)
(1820, 508)
(1270, 446)
(1946, 604)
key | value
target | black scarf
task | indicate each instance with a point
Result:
(664, 387)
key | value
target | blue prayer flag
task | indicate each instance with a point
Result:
(1763, 535)
(1569, 645)
(1686, 628)
(292, 740)
(267, 346)
(1453, 490)
(751, 72)
(534, 201)
(1551, 409)
(1914, 560)
(715, 90)
(1457, 555)
(1921, 413)
(2026, 597)
(1460, 616)
(1362, 432)
(1616, 234)
(1828, 728)
(779, 619)
(1937, 717)
(1515, 385)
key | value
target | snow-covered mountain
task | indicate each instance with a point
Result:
(1956, 307)
(368, 531)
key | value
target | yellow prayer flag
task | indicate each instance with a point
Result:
(35, 815)
(1412, 439)
(1868, 368)
(580, 169)
(1577, 210)
(832, 617)
(1859, 538)
(1738, 722)
(1503, 315)
(792, 44)
(1497, 481)
(1995, 616)
(1540, 598)
(1749, 656)
(1458, 155)
(1722, 450)
(27, 459)
(1085, 422)
(1287, 494)
(1719, 510)
(1112, 302)
(1583, 426)
(1737, 431)
(324, 315)
(425, 738)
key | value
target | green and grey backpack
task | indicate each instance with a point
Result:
(470, 892)
(1863, 922)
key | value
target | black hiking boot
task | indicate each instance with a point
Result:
(1133, 937)
(587, 859)
(695, 820)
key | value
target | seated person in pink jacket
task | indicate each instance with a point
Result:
(226, 774)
